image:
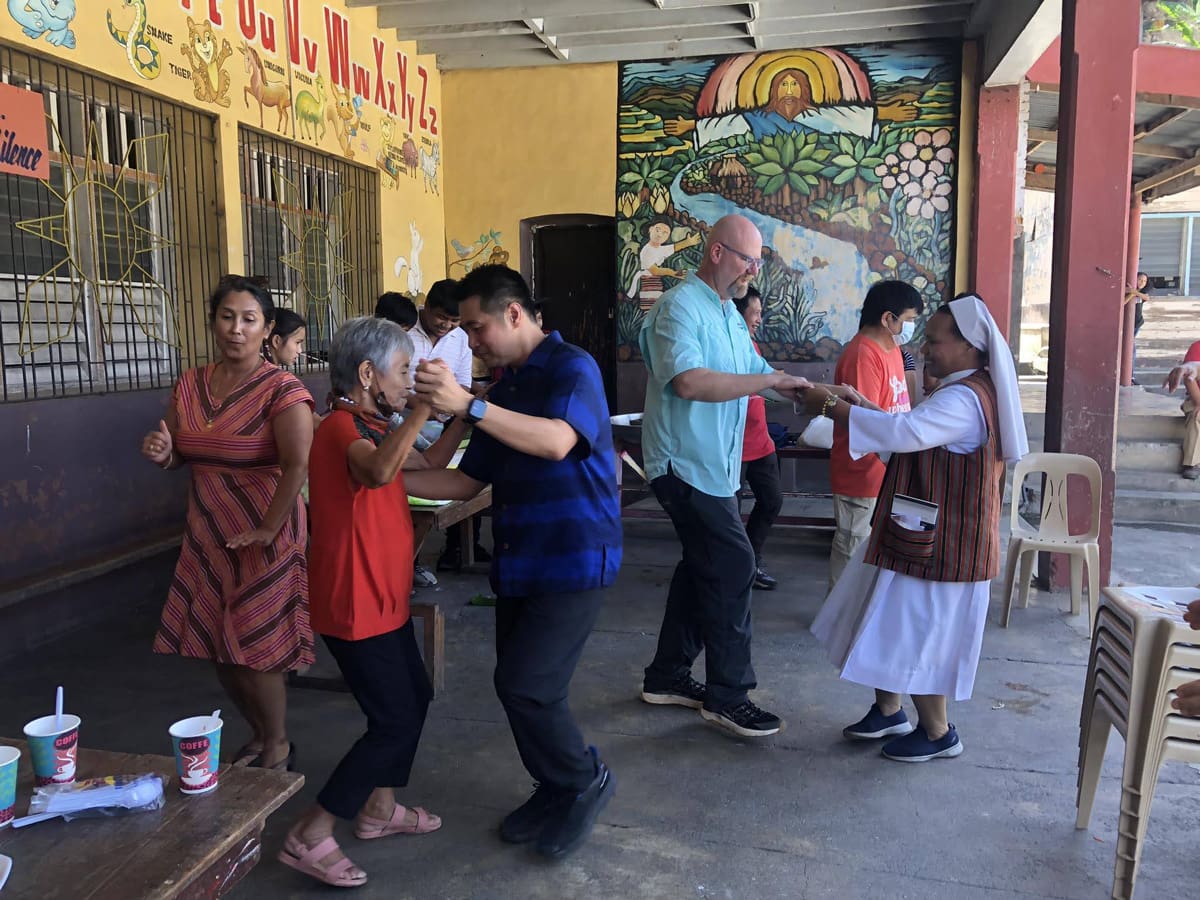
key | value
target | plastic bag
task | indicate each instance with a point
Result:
(113, 795)
(819, 433)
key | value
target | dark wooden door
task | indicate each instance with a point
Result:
(572, 271)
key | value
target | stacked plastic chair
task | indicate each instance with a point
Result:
(1141, 652)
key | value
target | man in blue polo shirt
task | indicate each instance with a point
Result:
(702, 367)
(543, 441)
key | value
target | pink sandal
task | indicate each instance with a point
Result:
(367, 828)
(307, 860)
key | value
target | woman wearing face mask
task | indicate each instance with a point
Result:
(286, 343)
(872, 364)
(240, 593)
(361, 563)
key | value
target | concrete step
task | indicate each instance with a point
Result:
(1167, 427)
(1140, 480)
(1157, 506)
(1149, 456)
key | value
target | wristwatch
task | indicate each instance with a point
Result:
(476, 410)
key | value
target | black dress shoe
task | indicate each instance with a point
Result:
(526, 822)
(764, 582)
(571, 824)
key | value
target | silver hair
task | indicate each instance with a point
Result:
(362, 339)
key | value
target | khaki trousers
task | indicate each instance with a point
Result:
(1191, 434)
(852, 521)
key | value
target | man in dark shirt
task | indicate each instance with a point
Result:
(543, 441)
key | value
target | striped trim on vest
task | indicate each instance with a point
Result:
(967, 487)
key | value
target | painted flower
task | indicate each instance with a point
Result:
(660, 198)
(628, 203)
(934, 146)
(892, 172)
(927, 196)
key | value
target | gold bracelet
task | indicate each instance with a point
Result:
(827, 408)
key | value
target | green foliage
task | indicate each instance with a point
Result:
(630, 317)
(788, 315)
(855, 158)
(791, 160)
(646, 172)
(1183, 18)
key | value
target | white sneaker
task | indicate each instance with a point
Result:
(422, 577)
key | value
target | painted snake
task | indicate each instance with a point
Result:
(135, 40)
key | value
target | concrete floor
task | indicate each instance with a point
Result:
(698, 813)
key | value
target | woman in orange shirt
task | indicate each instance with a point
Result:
(360, 580)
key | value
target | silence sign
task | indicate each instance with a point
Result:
(24, 145)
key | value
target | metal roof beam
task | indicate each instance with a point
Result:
(1140, 148)
(734, 14)
(425, 13)
(480, 58)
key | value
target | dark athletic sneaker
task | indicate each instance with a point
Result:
(745, 719)
(876, 725)
(763, 581)
(687, 691)
(526, 822)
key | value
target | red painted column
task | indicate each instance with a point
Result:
(1094, 167)
(996, 199)
(1129, 315)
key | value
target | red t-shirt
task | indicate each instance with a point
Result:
(1193, 354)
(756, 441)
(878, 375)
(360, 553)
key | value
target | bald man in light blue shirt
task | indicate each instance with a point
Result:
(702, 367)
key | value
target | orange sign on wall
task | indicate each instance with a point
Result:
(24, 144)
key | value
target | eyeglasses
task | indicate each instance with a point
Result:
(752, 263)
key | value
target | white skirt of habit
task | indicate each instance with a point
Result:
(902, 634)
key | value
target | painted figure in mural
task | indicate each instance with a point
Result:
(429, 167)
(51, 18)
(413, 263)
(821, 90)
(278, 94)
(140, 49)
(408, 153)
(308, 112)
(340, 112)
(385, 160)
(210, 82)
(647, 285)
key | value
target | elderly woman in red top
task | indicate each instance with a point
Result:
(360, 557)
(760, 464)
(240, 593)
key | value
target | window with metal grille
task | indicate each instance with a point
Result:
(312, 228)
(105, 266)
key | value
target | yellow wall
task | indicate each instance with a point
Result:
(155, 60)
(522, 143)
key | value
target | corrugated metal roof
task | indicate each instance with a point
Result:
(1167, 140)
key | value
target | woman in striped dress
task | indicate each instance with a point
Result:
(240, 593)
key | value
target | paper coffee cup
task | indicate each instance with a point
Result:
(197, 745)
(53, 746)
(8, 783)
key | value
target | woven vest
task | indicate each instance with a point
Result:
(967, 487)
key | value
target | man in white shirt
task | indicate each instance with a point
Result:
(437, 335)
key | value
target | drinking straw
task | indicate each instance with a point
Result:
(58, 708)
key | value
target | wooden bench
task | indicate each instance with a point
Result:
(433, 652)
(194, 847)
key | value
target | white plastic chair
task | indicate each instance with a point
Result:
(1053, 532)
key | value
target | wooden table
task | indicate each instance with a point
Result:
(460, 513)
(633, 495)
(194, 847)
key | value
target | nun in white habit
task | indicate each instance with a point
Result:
(895, 632)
